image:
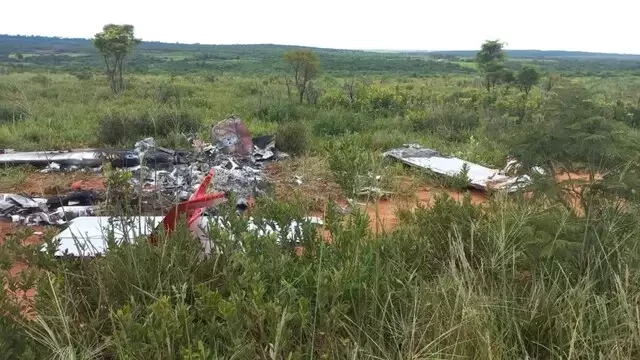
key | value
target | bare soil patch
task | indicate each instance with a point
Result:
(38, 184)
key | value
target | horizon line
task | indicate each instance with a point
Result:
(331, 48)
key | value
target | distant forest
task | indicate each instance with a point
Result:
(64, 54)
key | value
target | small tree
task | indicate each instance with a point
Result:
(114, 43)
(490, 61)
(552, 81)
(507, 79)
(305, 65)
(351, 89)
(528, 77)
(573, 137)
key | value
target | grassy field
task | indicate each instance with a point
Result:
(517, 277)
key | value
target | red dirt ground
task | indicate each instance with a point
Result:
(37, 184)
(383, 213)
(23, 297)
(317, 186)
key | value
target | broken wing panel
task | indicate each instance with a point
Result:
(480, 177)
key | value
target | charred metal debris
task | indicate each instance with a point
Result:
(160, 178)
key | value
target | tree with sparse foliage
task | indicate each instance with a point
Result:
(528, 77)
(574, 137)
(305, 65)
(114, 43)
(490, 59)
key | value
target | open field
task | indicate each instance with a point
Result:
(432, 270)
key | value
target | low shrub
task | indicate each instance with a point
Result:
(210, 78)
(83, 75)
(451, 121)
(338, 122)
(278, 111)
(293, 137)
(40, 79)
(9, 113)
(383, 140)
(351, 163)
(119, 128)
(167, 93)
(384, 101)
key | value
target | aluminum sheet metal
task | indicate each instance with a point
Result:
(88, 236)
(480, 177)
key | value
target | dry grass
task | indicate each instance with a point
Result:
(30, 182)
(306, 179)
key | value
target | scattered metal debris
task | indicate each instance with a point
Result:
(237, 171)
(513, 167)
(88, 236)
(232, 136)
(480, 177)
(53, 211)
(374, 192)
(173, 177)
(16, 204)
(161, 177)
(52, 167)
(89, 158)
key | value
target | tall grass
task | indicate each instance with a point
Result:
(453, 281)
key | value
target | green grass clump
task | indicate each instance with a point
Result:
(293, 137)
(339, 122)
(11, 113)
(278, 111)
(118, 128)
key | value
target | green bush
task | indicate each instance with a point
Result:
(83, 75)
(9, 113)
(351, 164)
(451, 121)
(120, 128)
(335, 98)
(278, 111)
(115, 128)
(382, 100)
(40, 79)
(293, 137)
(210, 78)
(168, 93)
(15, 343)
(338, 122)
(383, 140)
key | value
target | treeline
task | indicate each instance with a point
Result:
(26, 53)
(542, 54)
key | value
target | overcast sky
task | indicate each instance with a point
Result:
(589, 25)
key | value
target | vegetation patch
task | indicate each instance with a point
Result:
(122, 128)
